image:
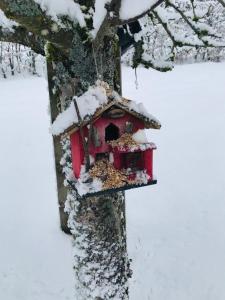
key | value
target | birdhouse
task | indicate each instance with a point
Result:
(110, 150)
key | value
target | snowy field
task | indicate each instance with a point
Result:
(176, 232)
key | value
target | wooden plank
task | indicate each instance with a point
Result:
(111, 191)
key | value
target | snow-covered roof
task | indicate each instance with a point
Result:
(93, 103)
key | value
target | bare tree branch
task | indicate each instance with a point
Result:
(198, 32)
(20, 35)
(175, 41)
(112, 19)
(122, 22)
(139, 58)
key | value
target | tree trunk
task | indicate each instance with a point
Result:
(58, 150)
(97, 224)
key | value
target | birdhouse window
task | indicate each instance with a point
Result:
(95, 137)
(133, 160)
(101, 156)
(129, 127)
(111, 132)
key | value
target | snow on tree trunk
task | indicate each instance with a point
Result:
(97, 224)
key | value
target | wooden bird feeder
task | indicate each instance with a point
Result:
(109, 146)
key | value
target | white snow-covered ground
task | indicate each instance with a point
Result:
(176, 229)
(35, 256)
(176, 232)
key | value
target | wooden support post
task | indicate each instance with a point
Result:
(84, 142)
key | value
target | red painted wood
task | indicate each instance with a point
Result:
(148, 162)
(102, 123)
(77, 153)
(117, 161)
(121, 160)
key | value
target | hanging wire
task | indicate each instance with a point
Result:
(136, 78)
(101, 64)
(95, 61)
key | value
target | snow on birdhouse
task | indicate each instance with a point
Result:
(110, 150)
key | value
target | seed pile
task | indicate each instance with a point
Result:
(126, 140)
(110, 177)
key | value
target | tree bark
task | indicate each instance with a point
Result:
(97, 224)
(58, 151)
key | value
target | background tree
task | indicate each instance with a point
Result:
(18, 59)
(80, 41)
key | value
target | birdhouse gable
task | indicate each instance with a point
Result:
(105, 129)
(100, 102)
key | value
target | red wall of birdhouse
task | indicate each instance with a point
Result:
(77, 153)
(101, 124)
(148, 162)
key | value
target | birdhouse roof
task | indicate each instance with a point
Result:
(92, 104)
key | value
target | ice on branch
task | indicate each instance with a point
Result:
(132, 8)
(99, 15)
(60, 8)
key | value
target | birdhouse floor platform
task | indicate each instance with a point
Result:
(114, 190)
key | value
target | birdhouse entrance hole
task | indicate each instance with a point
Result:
(111, 132)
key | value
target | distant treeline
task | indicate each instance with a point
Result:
(17, 59)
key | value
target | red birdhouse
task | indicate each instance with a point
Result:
(110, 151)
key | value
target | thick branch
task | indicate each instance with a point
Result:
(112, 19)
(139, 58)
(20, 35)
(29, 15)
(175, 41)
(122, 22)
(109, 21)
